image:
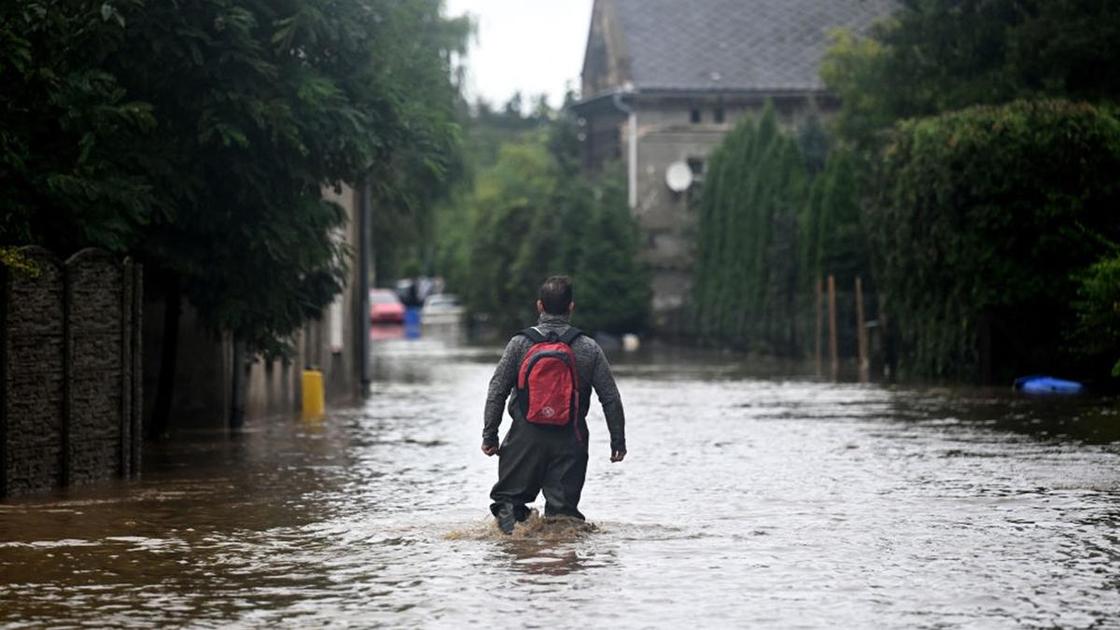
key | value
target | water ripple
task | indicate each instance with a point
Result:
(746, 500)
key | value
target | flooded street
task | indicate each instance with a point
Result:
(747, 499)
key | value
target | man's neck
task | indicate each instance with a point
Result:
(549, 318)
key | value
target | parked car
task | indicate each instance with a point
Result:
(385, 307)
(441, 308)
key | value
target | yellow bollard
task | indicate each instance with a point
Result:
(314, 402)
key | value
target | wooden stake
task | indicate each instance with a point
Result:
(832, 350)
(861, 335)
(820, 326)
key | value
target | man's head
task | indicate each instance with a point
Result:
(556, 296)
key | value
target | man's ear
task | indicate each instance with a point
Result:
(571, 307)
(540, 306)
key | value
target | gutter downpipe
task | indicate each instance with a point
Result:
(632, 149)
(365, 258)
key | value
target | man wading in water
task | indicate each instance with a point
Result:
(549, 369)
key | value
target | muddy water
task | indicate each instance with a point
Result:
(752, 497)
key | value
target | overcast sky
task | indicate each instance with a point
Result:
(535, 46)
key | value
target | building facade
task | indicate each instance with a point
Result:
(217, 384)
(337, 344)
(664, 81)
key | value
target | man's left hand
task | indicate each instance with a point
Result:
(617, 456)
(489, 449)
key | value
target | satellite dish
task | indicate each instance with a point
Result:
(678, 176)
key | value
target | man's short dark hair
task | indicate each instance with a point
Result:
(556, 295)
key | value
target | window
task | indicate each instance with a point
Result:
(696, 165)
(695, 115)
(718, 116)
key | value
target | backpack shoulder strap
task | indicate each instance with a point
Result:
(570, 335)
(533, 334)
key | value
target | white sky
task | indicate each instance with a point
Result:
(535, 46)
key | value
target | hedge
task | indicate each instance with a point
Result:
(979, 222)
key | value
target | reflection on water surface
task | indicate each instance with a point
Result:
(747, 500)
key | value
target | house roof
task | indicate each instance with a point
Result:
(735, 45)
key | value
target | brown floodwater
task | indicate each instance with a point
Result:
(752, 497)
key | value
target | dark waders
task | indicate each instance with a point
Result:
(541, 458)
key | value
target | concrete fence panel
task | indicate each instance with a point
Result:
(94, 286)
(34, 376)
(70, 367)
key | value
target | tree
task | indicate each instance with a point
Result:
(70, 172)
(260, 105)
(899, 88)
(612, 287)
(832, 233)
(746, 279)
(486, 132)
(199, 136)
(935, 56)
(507, 199)
(427, 164)
(535, 214)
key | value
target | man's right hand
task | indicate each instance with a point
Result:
(489, 449)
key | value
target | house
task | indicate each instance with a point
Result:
(664, 80)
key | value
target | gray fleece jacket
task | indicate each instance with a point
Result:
(591, 365)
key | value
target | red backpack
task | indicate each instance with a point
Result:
(547, 382)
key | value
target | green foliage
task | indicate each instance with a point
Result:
(13, 260)
(979, 219)
(508, 200)
(534, 215)
(612, 288)
(485, 134)
(1098, 309)
(852, 69)
(1068, 47)
(200, 137)
(832, 234)
(994, 264)
(489, 129)
(935, 56)
(427, 161)
(747, 272)
(69, 169)
(815, 143)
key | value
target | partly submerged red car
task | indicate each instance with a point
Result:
(385, 307)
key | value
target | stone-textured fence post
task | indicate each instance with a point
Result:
(69, 372)
(34, 376)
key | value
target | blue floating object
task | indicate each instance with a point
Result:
(1040, 384)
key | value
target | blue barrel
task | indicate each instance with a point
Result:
(412, 322)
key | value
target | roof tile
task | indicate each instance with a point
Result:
(764, 45)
